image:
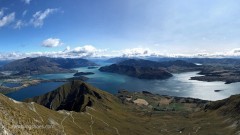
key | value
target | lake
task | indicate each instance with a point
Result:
(178, 85)
(11, 85)
(34, 90)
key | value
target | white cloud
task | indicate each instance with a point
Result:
(85, 49)
(146, 52)
(19, 24)
(26, 1)
(78, 52)
(88, 51)
(5, 20)
(52, 42)
(237, 50)
(137, 52)
(40, 16)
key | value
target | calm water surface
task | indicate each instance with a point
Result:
(11, 85)
(34, 90)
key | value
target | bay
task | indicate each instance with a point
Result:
(34, 90)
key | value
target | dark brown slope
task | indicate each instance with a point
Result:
(227, 107)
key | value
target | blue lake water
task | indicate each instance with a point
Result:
(34, 90)
(11, 85)
(179, 85)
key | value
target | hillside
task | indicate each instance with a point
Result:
(229, 107)
(138, 72)
(171, 65)
(109, 115)
(4, 62)
(44, 65)
(146, 69)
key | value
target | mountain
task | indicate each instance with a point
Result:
(128, 114)
(139, 72)
(146, 69)
(74, 96)
(227, 107)
(116, 59)
(139, 63)
(44, 65)
(216, 61)
(4, 62)
(154, 64)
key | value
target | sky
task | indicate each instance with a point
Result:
(94, 28)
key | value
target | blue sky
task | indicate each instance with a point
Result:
(79, 28)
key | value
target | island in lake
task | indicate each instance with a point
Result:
(226, 70)
(83, 73)
(146, 69)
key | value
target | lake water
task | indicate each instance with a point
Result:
(34, 90)
(178, 85)
(11, 85)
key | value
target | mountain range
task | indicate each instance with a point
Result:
(146, 69)
(45, 65)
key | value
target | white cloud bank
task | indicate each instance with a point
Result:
(52, 42)
(78, 52)
(88, 51)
